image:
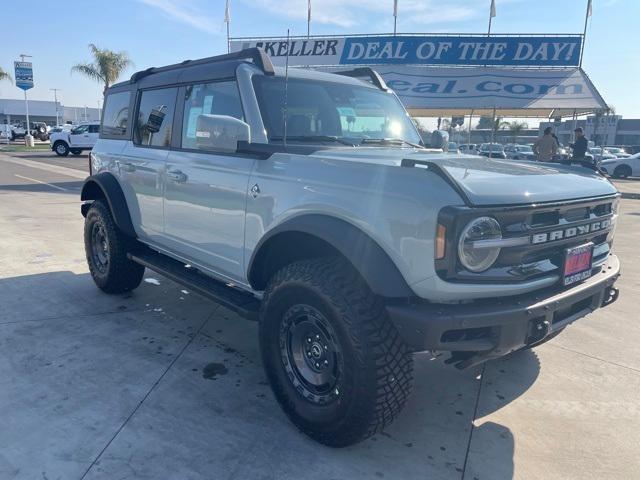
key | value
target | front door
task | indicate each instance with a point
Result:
(141, 165)
(79, 137)
(206, 191)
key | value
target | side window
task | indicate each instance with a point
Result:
(95, 128)
(220, 98)
(80, 129)
(116, 114)
(155, 117)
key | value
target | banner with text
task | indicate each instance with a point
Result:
(500, 50)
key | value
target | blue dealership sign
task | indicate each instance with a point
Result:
(466, 50)
(24, 75)
(474, 50)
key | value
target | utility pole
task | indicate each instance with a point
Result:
(55, 99)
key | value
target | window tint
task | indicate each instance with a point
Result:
(116, 114)
(95, 128)
(155, 117)
(221, 98)
(80, 129)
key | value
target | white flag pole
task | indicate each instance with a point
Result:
(227, 20)
(492, 13)
(308, 18)
(395, 16)
(584, 33)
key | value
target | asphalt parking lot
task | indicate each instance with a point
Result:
(162, 384)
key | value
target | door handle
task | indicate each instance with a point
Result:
(177, 176)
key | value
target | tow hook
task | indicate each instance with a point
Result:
(611, 296)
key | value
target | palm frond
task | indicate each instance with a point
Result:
(88, 70)
(5, 76)
(106, 67)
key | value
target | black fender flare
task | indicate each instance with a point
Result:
(364, 253)
(105, 185)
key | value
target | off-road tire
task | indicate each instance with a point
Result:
(61, 148)
(377, 367)
(118, 274)
(622, 171)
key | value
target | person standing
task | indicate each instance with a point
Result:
(579, 149)
(546, 146)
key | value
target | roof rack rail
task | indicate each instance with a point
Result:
(258, 55)
(367, 72)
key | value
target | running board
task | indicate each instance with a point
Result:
(243, 303)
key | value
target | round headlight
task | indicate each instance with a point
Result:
(477, 257)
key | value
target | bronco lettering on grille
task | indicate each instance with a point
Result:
(570, 232)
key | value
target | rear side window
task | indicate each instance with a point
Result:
(155, 117)
(116, 114)
(95, 128)
(220, 98)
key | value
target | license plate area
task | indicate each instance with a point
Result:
(577, 263)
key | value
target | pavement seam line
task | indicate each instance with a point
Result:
(153, 387)
(41, 182)
(69, 172)
(473, 427)
(596, 358)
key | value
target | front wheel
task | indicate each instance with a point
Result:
(622, 171)
(106, 248)
(336, 363)
(61, 149)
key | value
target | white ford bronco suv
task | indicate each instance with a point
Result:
(305, 200)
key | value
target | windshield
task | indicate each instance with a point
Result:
(317, 109)
(525, 149)
(615, 150)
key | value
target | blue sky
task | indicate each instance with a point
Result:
(159, 32)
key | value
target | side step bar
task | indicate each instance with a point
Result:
(243, 303)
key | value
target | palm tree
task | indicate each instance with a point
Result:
(106, 67)
(516, 129)
(4, 75)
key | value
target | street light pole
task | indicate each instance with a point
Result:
(55, 97)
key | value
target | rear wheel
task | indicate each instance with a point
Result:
(61, 148)
(106, 248)
(622, 171)
(336, 363)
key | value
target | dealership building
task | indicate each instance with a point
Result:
(13, 112)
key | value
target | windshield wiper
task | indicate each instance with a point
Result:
(314, 138)
(390, 141)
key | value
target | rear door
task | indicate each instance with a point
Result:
(93, 133)
(141, 165)
(206, 190)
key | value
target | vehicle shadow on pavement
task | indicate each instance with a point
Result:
(160, 383)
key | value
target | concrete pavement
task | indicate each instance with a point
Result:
(161, 384)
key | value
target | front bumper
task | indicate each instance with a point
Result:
(491, 328)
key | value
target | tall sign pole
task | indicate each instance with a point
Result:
(584, 33)
(24, 81)
(308, 18)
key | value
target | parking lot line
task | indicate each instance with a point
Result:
(41, 182)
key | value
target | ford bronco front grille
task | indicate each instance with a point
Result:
(535, 238)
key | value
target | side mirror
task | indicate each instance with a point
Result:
(221, 132)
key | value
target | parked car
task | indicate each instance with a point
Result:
(76, 140)
(622, 167)
(453, 148)
(468, 148)
(6, 132)
(492, 150)
(617, 152)
(600, 154)
(520, 152)
(38, 130)
(438, 252)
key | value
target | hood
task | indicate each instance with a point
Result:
(490, 181)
